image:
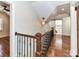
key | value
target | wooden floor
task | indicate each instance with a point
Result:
(57, 49)
(60, 48)
(4, 47)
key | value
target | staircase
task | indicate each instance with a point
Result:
(33, 46)
(46, 41)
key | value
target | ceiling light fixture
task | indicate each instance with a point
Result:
(62, 9)
(43, 21)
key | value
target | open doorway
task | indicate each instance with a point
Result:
(62, 37)
(4, 29)
(58, 33)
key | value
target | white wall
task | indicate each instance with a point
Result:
(42, 8)
(48, 26)
(66, 26)
(26, 21)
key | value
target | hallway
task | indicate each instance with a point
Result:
(38, 17)
(58, 51)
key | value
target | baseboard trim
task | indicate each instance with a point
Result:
(3, 36)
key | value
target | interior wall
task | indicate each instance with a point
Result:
(26, 21)
(47, 27)
(5, 20)
(66, 26)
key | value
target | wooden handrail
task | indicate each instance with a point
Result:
(24, 35)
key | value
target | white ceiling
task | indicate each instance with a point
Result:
(59, 12)
(47, 8)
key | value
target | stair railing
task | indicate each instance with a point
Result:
(26, 45)
(33, 46)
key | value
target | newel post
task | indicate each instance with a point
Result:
(38, 44)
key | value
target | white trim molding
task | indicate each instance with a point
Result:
(73, 51)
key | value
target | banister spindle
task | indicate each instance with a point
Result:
(30, 47)
(24, 46)
(23, 42)
(17, 46)
(33, 47)
(27, 46)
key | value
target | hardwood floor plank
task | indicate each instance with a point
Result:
(64, 51)
(4, 42)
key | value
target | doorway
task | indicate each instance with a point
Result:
(58, 34)
(4, 29)
(62, 37)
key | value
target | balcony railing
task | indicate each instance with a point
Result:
(25, 45)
